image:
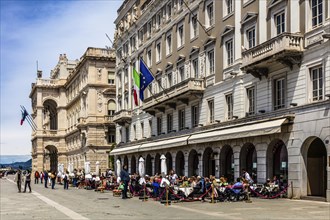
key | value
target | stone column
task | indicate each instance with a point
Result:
(186, 155)
(236, 152)
(261, 149)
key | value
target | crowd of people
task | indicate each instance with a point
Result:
(181, 186)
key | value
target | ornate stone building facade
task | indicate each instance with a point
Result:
(73, 111)
(238, 84)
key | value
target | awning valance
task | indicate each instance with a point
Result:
(251, 130)
(155, 145)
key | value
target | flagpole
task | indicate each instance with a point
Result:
(28, 122)
(28, 116)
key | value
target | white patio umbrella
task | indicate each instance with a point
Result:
(141, 167)
(163, 166)
(87, 167)
(97, 168)
(118, 169)
(141, 171)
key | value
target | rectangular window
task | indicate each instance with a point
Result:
(317, 83)
(159, 125)
(229, 101)
(168, 44)
(194, 115)
(142, 130)
(149, 61)
(210, 15)
(210, 60)
(250, 92)
(169, 123)
(317, 12)
(141, 36)
(229, 6)
(150, 128)
(194, 26)
(195, 68)
(182, 119)
(181, 72)
(169, 80)
(149, 28)
(133, 43)
(111, 78)
(210, 105)
(134, 132)
(159, 83)
(279, 91)
(127, 134)
(251, 37)
(159, 52)
(169, 10)
(180, 36)
(280, 23)
(159, 20)
(230, 52)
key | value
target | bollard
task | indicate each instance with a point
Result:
(248, 194)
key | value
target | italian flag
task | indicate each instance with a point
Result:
(136, 80)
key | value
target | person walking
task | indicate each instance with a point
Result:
(36, 177)
(41, 176)
(53, 179)
(46, 179)
(27, 181)
(18, 179)
(66, 180)
(124, 176)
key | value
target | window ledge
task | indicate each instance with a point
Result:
(210, 27)
(247, 3)
(168, 55)
(179, 48)
(228, 16)
(194, 38)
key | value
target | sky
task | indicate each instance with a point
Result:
(40, 31)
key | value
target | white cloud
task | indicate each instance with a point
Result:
(69, 27)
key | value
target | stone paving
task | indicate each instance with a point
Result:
(75, 203)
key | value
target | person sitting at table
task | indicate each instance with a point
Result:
(193, 181)
(173, 177)
(223, 182)
(275, 180)
(185, 182)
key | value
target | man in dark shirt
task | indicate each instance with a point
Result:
(124, 176)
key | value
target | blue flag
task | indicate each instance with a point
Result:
(146, 78)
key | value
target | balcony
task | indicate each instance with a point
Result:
(286, 49)
(122, 117)
(182, 92)
(108, 119)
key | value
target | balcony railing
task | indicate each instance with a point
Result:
(176, 91)
(108, 119)
(123, 116)
(284, 45)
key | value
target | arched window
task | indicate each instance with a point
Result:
(111, 107)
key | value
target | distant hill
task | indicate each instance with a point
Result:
(23, 165)
(8, 159)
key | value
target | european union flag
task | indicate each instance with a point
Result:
(146, 78)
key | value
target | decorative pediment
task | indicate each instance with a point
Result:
(159, 71)
(228, 29)
(209, 40)
(194, 49)
(169, 65)
(180, 58)
(272, 3)
(248, 17)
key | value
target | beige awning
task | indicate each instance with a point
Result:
(164, 144)
(241, 131)
(125, 150)
(155, 145)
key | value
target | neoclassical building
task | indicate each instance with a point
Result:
(241, 84)
(73, 111)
